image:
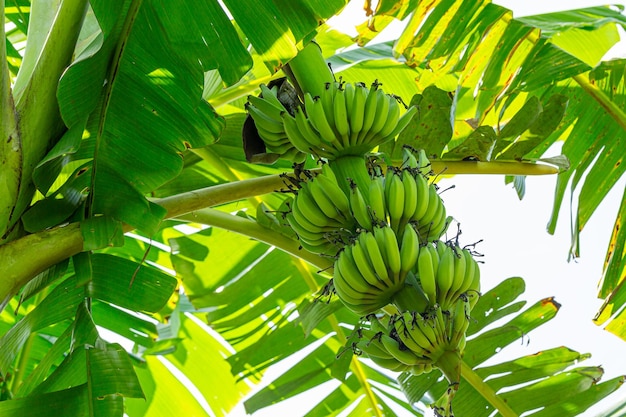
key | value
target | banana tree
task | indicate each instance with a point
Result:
(143, 247)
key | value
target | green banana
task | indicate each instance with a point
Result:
(263, 122)
(459, 276)
(393, 116)
(317, 117)
(423, 193)
(410, 195)
(332, 189)
(391, 364)
(391, 252)
(305, 127)
(423, 334)
(352, 297)
(270, 95)
(406, 356)
(350, 272)
(403, 122)
(359, 208)
(427, 270)
(341, 116)
(357, 113)
(308, 207)
(408, 158)
(409, 250)
(460, 322)
(295, 135)
(365, 267)
(369, 243)
(382, 112)
(404, 333)
(394, 194)
(377, 198)
(445, 273)
(267, 107)
(370, 111)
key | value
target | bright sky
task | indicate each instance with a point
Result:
(516, 244)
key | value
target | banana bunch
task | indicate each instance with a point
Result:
(347, 119)
(447, 273)
(320, 214)
(414, 341)
(267, 112)
(399, 197)
(372, 269)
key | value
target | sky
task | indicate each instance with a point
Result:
(515, 243)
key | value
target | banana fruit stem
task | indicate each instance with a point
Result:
(353, 167)
(486, 391)
(308, 71)
(450, 364)
(250, 228)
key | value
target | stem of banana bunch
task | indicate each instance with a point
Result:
(26, 257)
(486, 391)
(250, 228)
(308, 71)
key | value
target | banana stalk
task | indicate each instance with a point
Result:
(353, 167)
(308, 71)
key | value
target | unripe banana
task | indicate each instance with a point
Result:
(360, 209)
(370, 245)
(307, 131)
(391, 364)
(393, 116)
(264, 122)
(381, 118)
(410, 195)
(458, 279)
(350, 272)
(394, 194)
(391, 252)
(334, 192)
(357, 113)
(318, 118)
(402, 354)
(403, 329)
(327, 100)
(403, 122)
(434, 201)
(427, 271)
(341, 116)
(299, 140)
(307, 205)
(270, 95)
(422, 332)
(370, 112)
(445, 274)
(377, 198)
(474, 288)
(267, 107)
(408, 158)
(324, 201)
(373, 348)
(360, 303)
(460, 322)
(423, 197)
(366, 269)
(409, 250)
(423, 163)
